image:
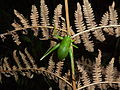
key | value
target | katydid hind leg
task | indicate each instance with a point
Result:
(49, 51)
(74, 46)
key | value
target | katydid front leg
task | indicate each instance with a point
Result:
(49, 51)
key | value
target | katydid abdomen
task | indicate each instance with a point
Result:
(64, 47)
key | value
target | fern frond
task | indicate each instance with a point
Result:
(113, 15)
(34, 18)
(81, 27)
(90, 20)
(51, 65)
(63, 27)
(110, 72)
(23, 20)
(97, 71)
(15, 37)
(30, 58)
(114, 19)
(85, 78)
(77, 38)
(105, 22)
(16, 25)
(57, 15)
(27, 64)
(16, 59)
(86, 63)
(44, 18)
(59, 68)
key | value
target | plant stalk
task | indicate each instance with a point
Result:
(71, 48)
(67, 17)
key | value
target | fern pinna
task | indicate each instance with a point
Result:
(85, 26)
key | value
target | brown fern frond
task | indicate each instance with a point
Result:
(23, 20)
(86, 63)
(110, 76)
(51, 65)
(63, 27)
(59, 68)
(113, 14)
(30, 58)
(113, 17)
(81, 27)
(90, 20)
(85, 77)
(97, 71)
(16, 59)
(77, 39)
(105, 22)
(44, 18)
(110, 72)
(27, 64)
(15, 37)
(34, 18)
(57, 16)
(16, 25)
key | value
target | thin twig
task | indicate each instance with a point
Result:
(104, 82)
(92, 29)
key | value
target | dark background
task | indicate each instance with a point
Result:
(110, 47)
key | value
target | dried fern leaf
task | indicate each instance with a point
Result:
(117, 31)
(57, 16)
(17, 59)
(86, 63)
(44, 18)
(110, 72)
(51, 65)
(34, 18)
(2, 37)
(15, 74)
(113, 16)
(77, 38)
(90, 20)
(6, 64)
(97, 75)
(23, 20)
(62, 85)
(85, 78)
(16, 25)
(15, 37)
(27, 64)
(59, 68)
(30, 59)
(81, 27)
(63, 27)
(114, 19)
(105, 22)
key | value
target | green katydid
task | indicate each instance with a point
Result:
(64, 47)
